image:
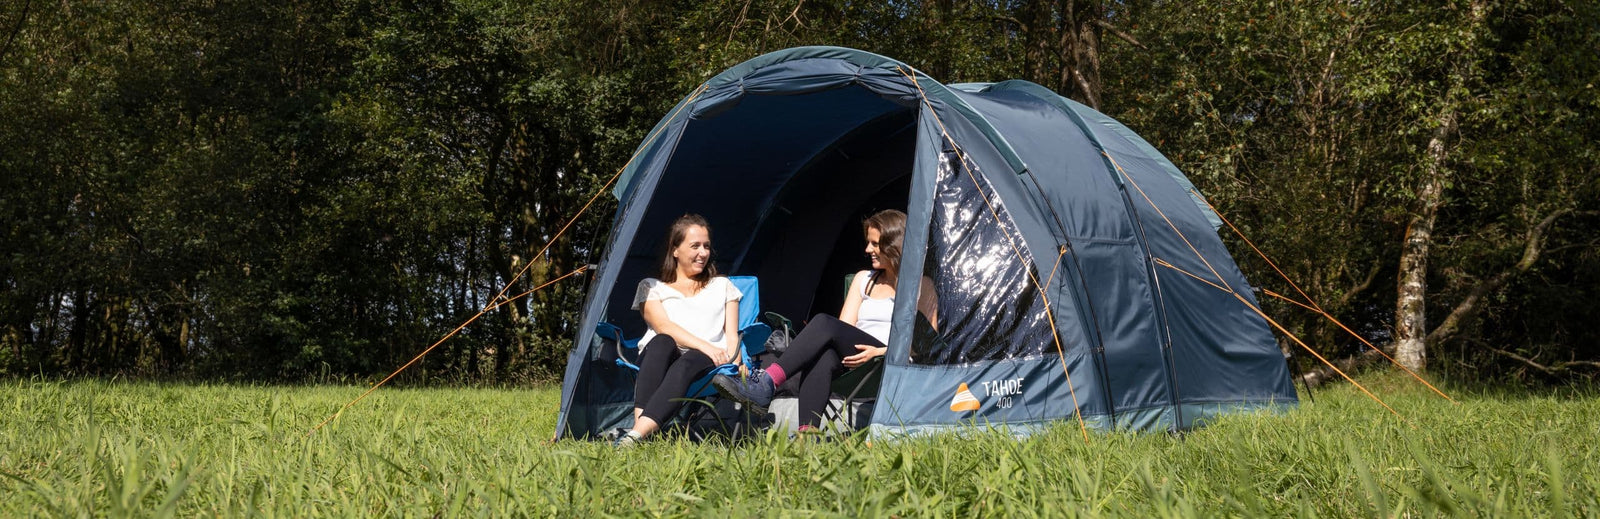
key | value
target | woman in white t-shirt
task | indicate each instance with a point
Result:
(693, 316)
(860, 333)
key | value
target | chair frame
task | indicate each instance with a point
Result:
(752, 341)
(869, 381)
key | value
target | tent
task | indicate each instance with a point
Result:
(1076, 268)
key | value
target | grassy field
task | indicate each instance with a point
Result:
(123, 449)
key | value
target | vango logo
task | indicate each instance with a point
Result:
(964, 401)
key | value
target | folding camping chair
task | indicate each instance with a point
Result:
(857, 386)
(752, 341)
(860, 385)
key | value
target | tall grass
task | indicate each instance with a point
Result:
(120, 449)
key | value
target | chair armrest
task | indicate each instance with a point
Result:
(753, 339)
(863, 380)
(624, 347)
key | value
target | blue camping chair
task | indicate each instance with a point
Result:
(752, 339)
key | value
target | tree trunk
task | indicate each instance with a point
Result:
(183, 339)
(78, 337)
(51, 324)
(1035, 18)
(943, 17)
(1079, 50)
(503, 353)
(1061, 45)
(1411, 319)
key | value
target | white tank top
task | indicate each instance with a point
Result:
(875, 314)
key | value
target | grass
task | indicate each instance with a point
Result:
(135, 449)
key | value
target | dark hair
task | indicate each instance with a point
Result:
(675, 237)
(891, 226)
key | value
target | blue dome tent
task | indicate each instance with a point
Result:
(1078, 272)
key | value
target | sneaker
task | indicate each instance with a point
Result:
(809, 433)
(612, 435)
(754, 391)
(627, 440)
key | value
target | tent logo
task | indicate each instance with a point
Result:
(964, 401)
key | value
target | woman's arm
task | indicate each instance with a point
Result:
(850, 313)
(928, 302)
(852, 300)
(730, 333)
(655, 315)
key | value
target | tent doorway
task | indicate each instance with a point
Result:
(785, 182)
(813, 238)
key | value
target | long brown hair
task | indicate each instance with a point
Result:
(675, 236)
(891, 226)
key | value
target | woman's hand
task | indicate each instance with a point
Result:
(719, 356)
(868, 351)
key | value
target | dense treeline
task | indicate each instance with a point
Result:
(292, 190)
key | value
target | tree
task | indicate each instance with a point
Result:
(1332, 131)
(299, 189)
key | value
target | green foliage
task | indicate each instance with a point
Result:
(1306, 124)
(1528, 154)
(186, 450)
(282, 191)
(1258, 104)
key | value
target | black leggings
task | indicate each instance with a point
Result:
(664, 377)
(817, 352)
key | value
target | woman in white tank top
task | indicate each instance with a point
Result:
(860, 333)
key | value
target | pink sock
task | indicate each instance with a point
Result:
(776, 373)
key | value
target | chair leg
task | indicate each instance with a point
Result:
(834, 412)
(837, 413)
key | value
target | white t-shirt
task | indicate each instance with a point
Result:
(704, 315)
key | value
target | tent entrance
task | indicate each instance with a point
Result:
(811, 238)
(785, 181)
